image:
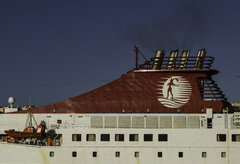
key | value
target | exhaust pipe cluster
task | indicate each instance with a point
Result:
(175, 62)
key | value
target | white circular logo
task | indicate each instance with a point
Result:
(175, 92)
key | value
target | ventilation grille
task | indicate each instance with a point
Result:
(209, 89)
(152, 122)
(193, 122)
(137, 122)
(165, 122)
(146, 121)
(179, 121)
(97, 121)
(110, 122)
(124, 121)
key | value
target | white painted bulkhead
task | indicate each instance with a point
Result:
(191, 141)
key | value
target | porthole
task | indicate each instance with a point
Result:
(94, 154)
(74, 154)
(223, 154)
(204, 154)
(136, 154)
(180, 154)
(117, 154)
(51, 154)
(159, 154)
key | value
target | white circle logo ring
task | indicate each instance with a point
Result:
(176, 92)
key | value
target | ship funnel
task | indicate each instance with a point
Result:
(184, 59)
(158, 59)
(200, 59)
(172, 59)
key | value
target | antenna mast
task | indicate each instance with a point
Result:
(136, 52)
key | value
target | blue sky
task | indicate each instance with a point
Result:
(53, 49)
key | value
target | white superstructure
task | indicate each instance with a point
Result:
(128, 138)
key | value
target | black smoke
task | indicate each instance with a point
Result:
(187, 23)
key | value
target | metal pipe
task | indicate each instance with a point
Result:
(157, 64)
(136, 52)
(172, 59)
(200, 59)
(184, 59)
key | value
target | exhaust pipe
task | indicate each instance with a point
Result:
(184, 59)
(200, 59)
(157, 64)
(172, 59)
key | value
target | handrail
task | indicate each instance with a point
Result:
(178, 63)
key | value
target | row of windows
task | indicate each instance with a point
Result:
(223, 137)
(136, 154)
(146, 137)
(120, 137)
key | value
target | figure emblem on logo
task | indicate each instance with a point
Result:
(170, 84)
(175, 91)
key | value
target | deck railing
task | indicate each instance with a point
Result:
(162, 63)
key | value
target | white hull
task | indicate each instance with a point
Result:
(16, 154)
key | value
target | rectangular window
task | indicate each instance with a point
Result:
(148, 137)
(94, 154)
(105, 137)
(162, 137)
(117, 154)
(51, 154)
(91, 137)
(221, 137)
(76, 137)
(133, 137)
(136, 154)
(223, 154)
(119, 137)
(204, 154)
(235, 137)
(74, 154)
(160, 154)
(180, 154)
